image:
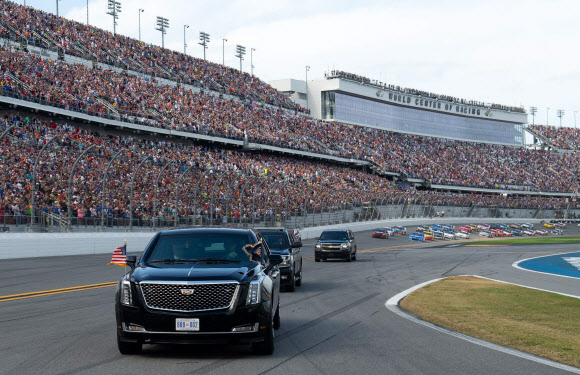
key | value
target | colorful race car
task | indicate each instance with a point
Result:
(380, 233)
(428, 235)
(417, 236)
(550, 225)
(485, 233)
(448, 226)
(422, 228)
(449, 235)
(465, 228)
(516, 232)
(438, 235)
(516, 226)
(435, 227)
(462, 235)
(529, 232)
(527, 226)
(389, 230)
(399, 230)
(557, 232)
(483, 227)
(541, 232)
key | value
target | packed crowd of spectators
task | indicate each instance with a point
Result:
(367, 81)
(562, 138)
(184, 179)
(438, 161)
(49, 31)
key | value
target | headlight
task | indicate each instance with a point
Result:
(286, 260)
(126, 294)
(318, 246)
(254, 292)
(344, 246)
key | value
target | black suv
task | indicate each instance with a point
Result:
(335, 244)
(200, 285)
(284, 243)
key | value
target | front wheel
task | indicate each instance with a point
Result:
(354, 256)
(276, 323)
(128, 348)
(292, 286)
(266, 347)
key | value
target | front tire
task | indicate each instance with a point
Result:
(292, 286)
(299, 281)
(349, 257)
(354, 256)
(276, 323)
(266, 347)
(128, 348)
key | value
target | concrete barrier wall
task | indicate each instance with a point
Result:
(29, 245)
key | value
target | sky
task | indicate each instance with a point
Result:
(522, 53)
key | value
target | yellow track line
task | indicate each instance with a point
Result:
(55, 291)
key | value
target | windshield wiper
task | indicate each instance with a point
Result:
(170, 260)
(217, 260)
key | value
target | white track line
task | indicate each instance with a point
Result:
(393, 305)
(517, 265)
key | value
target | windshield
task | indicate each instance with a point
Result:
(276, 241)
(334, 235)
(200, 247)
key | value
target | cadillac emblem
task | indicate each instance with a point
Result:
(187, 292)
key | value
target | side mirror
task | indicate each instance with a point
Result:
(296, 244)
(275, 259)
(131, 261)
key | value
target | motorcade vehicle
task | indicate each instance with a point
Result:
(422, 228)
(399, 230)
(438, 235)
(516, 226)
(541, 232)
(282, 242)
(429, 236)
(516, 232)
(380, 233)
(485, 233)
(417, 236)
(390, 231)
(449, 235)
(529, 232)
(527, 226)
(200, 285)
(550, 225)
(335, 243)
(462, 235)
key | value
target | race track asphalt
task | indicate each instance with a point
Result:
(336, 323)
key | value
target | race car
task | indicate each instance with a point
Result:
(462, 235)
(485, 233)
(465, 228)
(435, 227)
(506, 233)
(496, 232)
(527, 226)
(449, 235)
(516, 226)
(422, 228)
(483, 226)
(516, 232)
(438, 235)
(560, 225)
(380, 233)
(389, 230)
(541, 232)
(448, 226)
(417, 236)
(550, 225)
(529, 232)
(503, 226)
(429, 235)
(399, 230)
(557, 232)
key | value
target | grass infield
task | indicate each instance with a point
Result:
(528, 241)
(541, 323)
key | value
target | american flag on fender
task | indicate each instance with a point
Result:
(120, 256)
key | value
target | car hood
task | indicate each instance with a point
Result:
(332, 241)
(280, 252)
(239, 272)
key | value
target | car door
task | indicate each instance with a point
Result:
(297, 253)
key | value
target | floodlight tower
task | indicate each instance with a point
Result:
(113, 9)
(203, 41)
(184, 42)
(162, 25)
(533, 111)
(560, 114)
(252, 60)
(240, 52)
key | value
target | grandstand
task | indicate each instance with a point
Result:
(100, 129)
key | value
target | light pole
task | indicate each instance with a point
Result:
(307, 69)
(184, 43)
(87, 11)
(114, 8)
(547, 113)
(533, 111)
(240, 52)
(224, 40)
(140, 11)
(252, 60)
(56, 7)
(560, 114)
(162, 25)
(204, 40)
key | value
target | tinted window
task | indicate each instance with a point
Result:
(201, 246)
(276, 241)
(334, 235)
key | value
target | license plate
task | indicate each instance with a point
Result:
(187, 324)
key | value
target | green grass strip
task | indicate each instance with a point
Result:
(528, 241)
(541, 323)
